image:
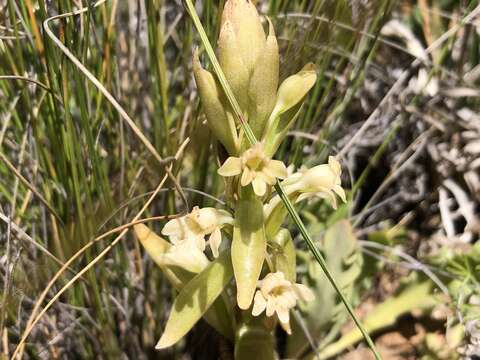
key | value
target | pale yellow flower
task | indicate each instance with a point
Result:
(184, 254)
(321, 180)
(256, 168)
(278, 295)
(187, 255)
(193, 227)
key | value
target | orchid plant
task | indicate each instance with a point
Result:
(246, 243)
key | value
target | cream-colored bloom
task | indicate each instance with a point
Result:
(322, 180)
(184, 254)
(187, 255)
(256, 168)
(278, 295)
(193, 227)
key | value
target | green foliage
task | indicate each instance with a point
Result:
(325, 315)
(195, 299)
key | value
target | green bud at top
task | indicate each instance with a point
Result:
(222, 126)
(232, 63)
(250, 37)
(287, 107)
(294, 88)
(263, 85)
(250, 63)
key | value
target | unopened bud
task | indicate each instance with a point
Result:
(294, 89)
(233, 63)
(263, 85)
(222, 126)
(250, 37)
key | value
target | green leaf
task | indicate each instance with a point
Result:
(218, 316)
(276, 213)
(254, 341)
(248, 249)
(195, 299)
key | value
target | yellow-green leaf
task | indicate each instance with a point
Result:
(254, 340)
(248, 248)
(195, 298)
(218, 316)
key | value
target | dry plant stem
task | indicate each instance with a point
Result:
(415, 264)
(6, 284)
(404, 76)
(30, 186)
(21, 234)
(290, 208)
(109, 96)
(33, 320)
(24, 78)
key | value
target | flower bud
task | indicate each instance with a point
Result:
(294, 88)
(263, 85)
(287, 107)
(248, 29)
(233, 65)
(222, 126)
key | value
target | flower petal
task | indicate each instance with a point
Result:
(231, 167)
(259, 304)
(197, 241)
(271, 304)
(215, 240)
(304, 292)
(276, 168)
(334, 165)
(340, 192)
(283, 314)
(259, 186)
(224, 217)
(247, 177)
(286, 326)
(174, 227)
(186, 256)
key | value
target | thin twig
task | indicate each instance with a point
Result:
(30, 186)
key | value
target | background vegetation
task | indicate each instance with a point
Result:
(396, 98)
